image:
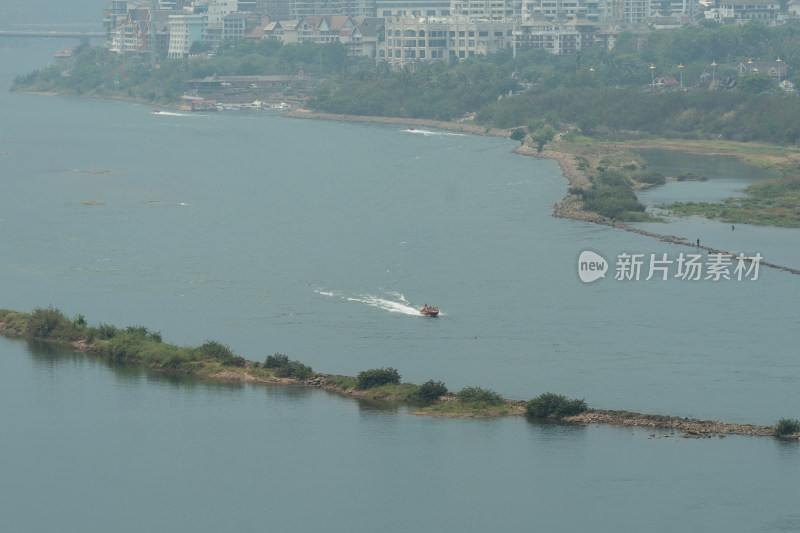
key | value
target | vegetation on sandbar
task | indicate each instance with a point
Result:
(787, 426)
(773, 202)
(611, 195)
(136, 344)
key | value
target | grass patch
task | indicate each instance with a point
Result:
(341, 382)
(14, 324)
(393, 392)
(691, 176)
(466, 409)
(650, 178)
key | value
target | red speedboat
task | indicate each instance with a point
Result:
(429, 311)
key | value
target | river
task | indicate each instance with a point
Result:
(320, 240)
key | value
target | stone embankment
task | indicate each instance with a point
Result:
(689, 427)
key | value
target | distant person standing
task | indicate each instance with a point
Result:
(698, 242)
(732, 228)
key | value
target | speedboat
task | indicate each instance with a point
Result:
(429, 311)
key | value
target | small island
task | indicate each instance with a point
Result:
(215, 360)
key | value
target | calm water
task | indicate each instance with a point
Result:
(726, 179)
(320, 240)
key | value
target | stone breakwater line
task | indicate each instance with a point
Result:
(569, 207)
(691, 428)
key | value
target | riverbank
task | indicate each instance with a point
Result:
(565, 154)
(215, 361)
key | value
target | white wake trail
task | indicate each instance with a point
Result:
(398, 305)
(429, 132)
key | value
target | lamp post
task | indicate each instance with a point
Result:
(680, 67)
(653, 75)
(778, 61)
(714, 72)
(750, 62)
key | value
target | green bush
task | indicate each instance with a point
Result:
(276, 360)
(51, 323)
(105, 331)
(480, 395)
(554, 405)
(294, 369)
(222, 353)
(366, 379)
(284, 368)
(430, 391)
(787, 426)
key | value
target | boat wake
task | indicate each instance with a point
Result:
(429, 132)
(397, 303)
(170, 114)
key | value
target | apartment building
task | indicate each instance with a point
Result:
(184, 29)
(410, 39)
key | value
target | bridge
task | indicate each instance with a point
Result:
(52, 31)
(54, 34)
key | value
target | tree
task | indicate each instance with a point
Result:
(543, 136)
(518, 134)
(199, 47)
(754, 84)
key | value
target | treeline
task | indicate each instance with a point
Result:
(600, 92)
(430, 90)
(696, 114)
(95, 71)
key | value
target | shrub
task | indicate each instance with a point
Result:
(284, 368)
(554, 405)
(222, 353)
(50, 323)
(366, 379)
(80, 322)
(105, 331)
(430, 391)
(480, 395)
(276, 360)
(294, 369)
(787, 426)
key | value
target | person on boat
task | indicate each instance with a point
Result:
(425, 308)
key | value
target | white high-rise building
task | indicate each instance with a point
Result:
(184, 29)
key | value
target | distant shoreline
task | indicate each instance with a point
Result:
(569, 207)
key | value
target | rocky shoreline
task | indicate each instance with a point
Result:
(569, 207)
(692, 428)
